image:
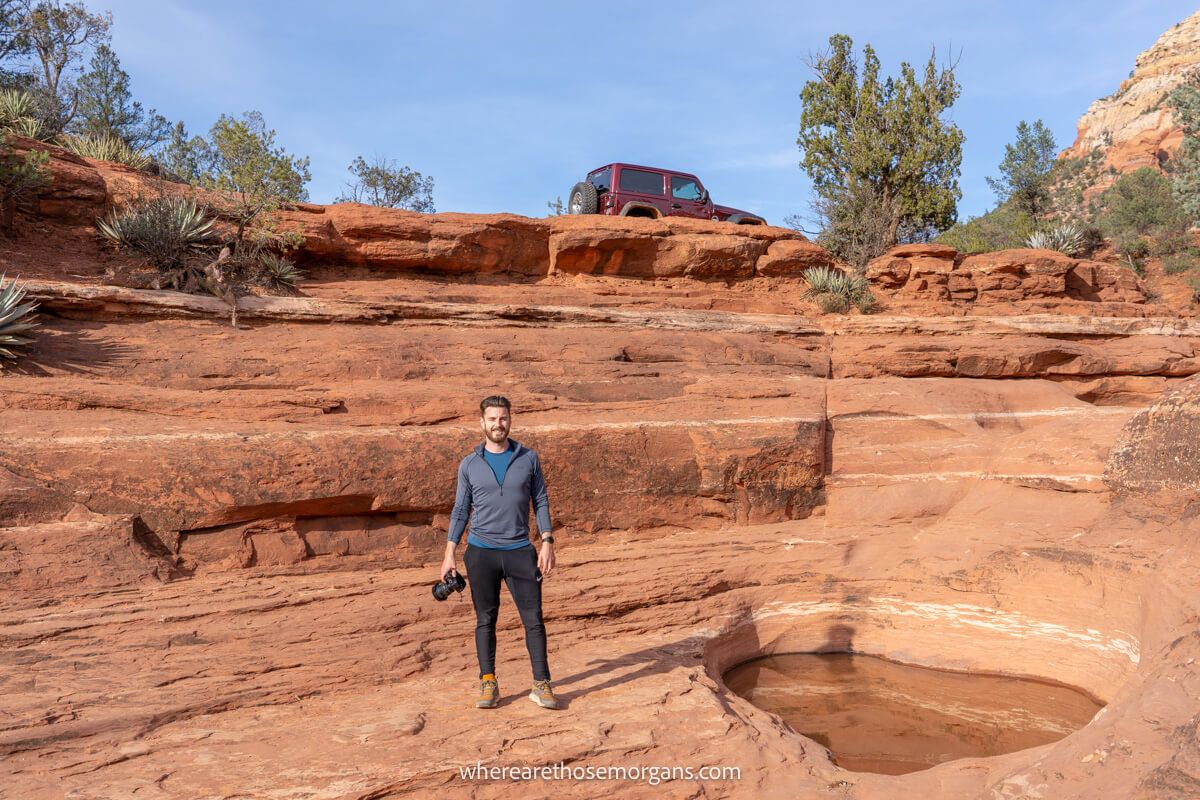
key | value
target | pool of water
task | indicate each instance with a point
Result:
(881, 716)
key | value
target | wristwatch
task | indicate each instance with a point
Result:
(548, 538)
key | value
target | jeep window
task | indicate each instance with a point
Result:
(601, 179)
(685, 188)
(640, 181)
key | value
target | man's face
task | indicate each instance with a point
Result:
(496, 423)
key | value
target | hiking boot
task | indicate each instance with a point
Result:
(489, 694)
(543, 695)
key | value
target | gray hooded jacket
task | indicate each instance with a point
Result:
(499, 515)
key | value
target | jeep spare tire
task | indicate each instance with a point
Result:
(584, 199)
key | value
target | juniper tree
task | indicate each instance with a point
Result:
(881, 144)
(241, 160)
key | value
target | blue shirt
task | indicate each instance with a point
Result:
(497, 502)
(499, 461)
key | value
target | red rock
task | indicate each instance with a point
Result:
(1098, 282)
(1157, 451)
(1007, 275)
(918, 270)
(791, 257)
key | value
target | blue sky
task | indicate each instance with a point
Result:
(506, 105)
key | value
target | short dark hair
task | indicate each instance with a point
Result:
(494, 401)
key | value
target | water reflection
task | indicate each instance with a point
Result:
(880, 716)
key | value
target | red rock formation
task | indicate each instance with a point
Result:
(1131, 126)
(936, 273)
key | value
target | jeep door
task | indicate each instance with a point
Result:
(643, 187)
(687, 197)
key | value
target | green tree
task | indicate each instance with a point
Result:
(385, 183)
(242, 160)
(1025, 170)
(188, 158)
(12, 44)
(881, 145)
(1185, 166)
(106, 107)
(58, 35)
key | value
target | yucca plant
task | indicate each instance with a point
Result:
(106, 148)
(16, 318)
(835, 291)
(1066, 238)
(18, 114)
(165, 230)
(278, 272)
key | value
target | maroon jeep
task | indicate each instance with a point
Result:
(629, 190)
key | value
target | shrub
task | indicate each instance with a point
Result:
(164, 230)
(1093, 240)
(278, 272)
(1070, 178)
(20, 176)
(1002, 228)
(105, 148)
(833, 303)
(1179, 262)
(16, 319)
(1141, 203)
(1134, 252)
(835, 291)
(1066, 238)
(1172, 242)
(388, 184)
(1194, 284)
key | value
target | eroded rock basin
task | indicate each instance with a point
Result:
(882, 716)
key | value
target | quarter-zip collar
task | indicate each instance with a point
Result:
(517, 449)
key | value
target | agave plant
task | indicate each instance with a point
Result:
(1066, 239)
(106, 148)
(16, 318)
(278, 271)
(835, 291)
(165, 230)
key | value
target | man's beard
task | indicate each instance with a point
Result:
(497, 436)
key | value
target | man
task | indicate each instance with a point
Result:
(495, 485)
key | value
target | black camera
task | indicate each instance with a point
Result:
(451, 582)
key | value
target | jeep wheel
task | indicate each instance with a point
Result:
(583, 199)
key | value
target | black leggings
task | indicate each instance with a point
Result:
(519, 569)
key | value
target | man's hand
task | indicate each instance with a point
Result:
(546, 559)
(448, 561)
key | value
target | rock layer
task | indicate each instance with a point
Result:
(935, 273)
